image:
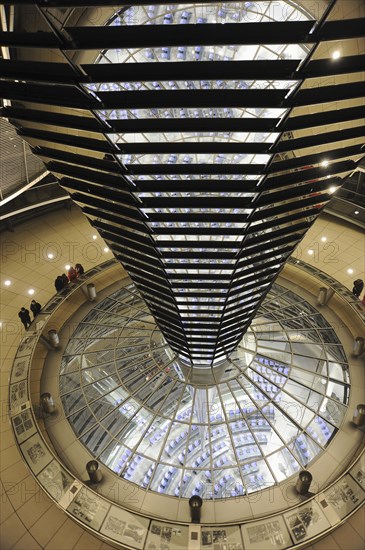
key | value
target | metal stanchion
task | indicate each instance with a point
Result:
(303, 482)
(94, 472)
(359, 417)
(329, 293)
(53, 338)
(358, 346)
(91, 292)
(195, 505)
(321, 298)
(47, 403)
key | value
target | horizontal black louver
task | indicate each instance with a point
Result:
(202, 226)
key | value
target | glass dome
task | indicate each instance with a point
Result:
(266, 413)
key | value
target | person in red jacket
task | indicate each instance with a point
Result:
(72, 274)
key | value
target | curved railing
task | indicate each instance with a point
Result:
(295, 527)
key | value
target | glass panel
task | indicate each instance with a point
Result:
(240, 435)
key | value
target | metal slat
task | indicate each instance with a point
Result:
(155, 36)
(154, 99)
(150, 125)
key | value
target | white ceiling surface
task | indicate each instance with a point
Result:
(18, 166)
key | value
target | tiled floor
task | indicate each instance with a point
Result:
(29, 520)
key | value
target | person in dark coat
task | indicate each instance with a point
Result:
(35, 308)
(79, 269)
(64, 279)
(59, 284)
(358, 287)
(24, 317)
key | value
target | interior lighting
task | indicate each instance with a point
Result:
(31, 291)
(350, 271)
(95, 237)
(336, 54)
(67, 266)
(50, 256)
(106, 249)
(323, 239)
(332, 189)
(310, 252)
(325, 163)
(356, 212)
(7, 282)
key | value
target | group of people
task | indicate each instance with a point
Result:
(24, 315)
(72, 274)
(60, 282)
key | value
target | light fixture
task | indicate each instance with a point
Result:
(95, 237)
(356, 212)
(323, 239)
(67, 266)
(332, 189)
(7, 282)
(350, 271)
(50, 256)
(310, 252)
(31, 291)
(106, 249)
(325, 163)
(336, 54)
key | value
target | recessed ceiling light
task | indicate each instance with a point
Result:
(95, 237)
(356, 212)
(7, 282)
(67, 266)
(310, 252)
(31, 291)
(350, 271)
(106, 249)
(325, 163)
(332, 189)
(323, 239)
(336, 54)
(50, 256)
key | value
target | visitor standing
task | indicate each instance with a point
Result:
(24, 317)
